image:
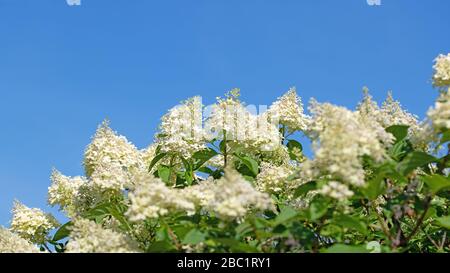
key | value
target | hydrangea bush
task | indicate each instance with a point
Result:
(238, 181)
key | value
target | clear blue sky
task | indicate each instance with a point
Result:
(64, 69)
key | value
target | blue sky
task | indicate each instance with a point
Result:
(64, 69)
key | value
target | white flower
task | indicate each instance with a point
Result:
(32, 224)
(147, 155)
(64, 190)
(340, 140)
(336, 190)
(288, 110)
(440, 114)
(244, 128)
(274, 179)
(110, 159)
(152, 198)
(441, 77)
(391, 113)
(181, 129)
(371, 115)
(88, 237)
(234, 197)
(12, 243)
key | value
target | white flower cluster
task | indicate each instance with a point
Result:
(389, 114)
(336, 190)
(64, 191)
(251, 131)
(32, 224)
(234, 197)
(288, 111)
(181, 129)
(340, 139)
(152, 198)
(89, 237)
(441, 77)
(110, 159)
(274, 179)
(440, 114)
(12, 243)
(229, 197)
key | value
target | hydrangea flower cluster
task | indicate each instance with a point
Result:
(288, 111)
(110, 159)
(229, 197)
(440, 114)
(90, 237)
(441, 77)
(340, 157)
(12, 243)
(32, 224)
(181, 129)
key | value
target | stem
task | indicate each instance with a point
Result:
(170, 169)
(431, 239)
(383, 224)
(225, 155)
(420, 221)
(444, 238)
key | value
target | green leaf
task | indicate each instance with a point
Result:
(436, 182)
(444, 221)
(414, 160)
(398, 131)
(164, 173)
(62, 232)
(351, 223)
(194, 236)
(305, 188)
(445, 137)
(342, 248)
(156, 159)
(236, 246)
(317, 208)
(205, 170)
(188, 174)
(161, 247)
(374, 187)
(200, 157)
(98, 213)
(287, 213)
(250, 163)
(293, 145)
(400, 149)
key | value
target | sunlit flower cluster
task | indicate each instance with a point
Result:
(234, 197)
(441, 77)
(13, 243)
(389, 114)
(64, 191)
(110, 159)
(31, 224)
(90, 237)
(152, 199)
(229, 119)
(440, 114)
(181, 129)
(340, 139)
(288, 111)
(336, 190)
(274, 179)
(229, 197)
